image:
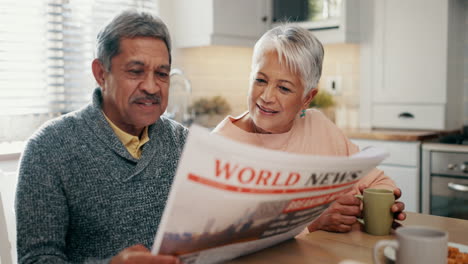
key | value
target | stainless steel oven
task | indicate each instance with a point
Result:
(444, 178)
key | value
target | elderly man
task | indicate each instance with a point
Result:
(93, 183)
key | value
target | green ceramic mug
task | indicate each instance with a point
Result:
(377, 213)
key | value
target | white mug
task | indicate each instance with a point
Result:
(416, 244)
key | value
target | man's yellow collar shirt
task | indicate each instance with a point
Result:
(132, 143)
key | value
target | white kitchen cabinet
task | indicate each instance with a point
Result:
(412, 64)
(220, 22)
(407, 179)
(402, 166)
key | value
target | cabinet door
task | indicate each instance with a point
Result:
(242, 19)
(411, 51)
(402, 166)
(407, 179)
(220, 22)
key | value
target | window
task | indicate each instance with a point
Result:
(46, 50)
(312, 14)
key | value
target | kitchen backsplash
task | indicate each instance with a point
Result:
(342, 61)
(224, 71)
(217, 70)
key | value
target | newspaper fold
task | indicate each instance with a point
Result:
(229, 199)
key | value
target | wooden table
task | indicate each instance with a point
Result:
(327, 247)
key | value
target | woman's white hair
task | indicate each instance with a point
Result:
(297, 47)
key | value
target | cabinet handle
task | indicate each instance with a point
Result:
(464, 167)
(264, 19)
(406, 115)
(457, 187)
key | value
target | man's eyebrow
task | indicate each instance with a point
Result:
(140, 63)
(166, 67)
(135, 62)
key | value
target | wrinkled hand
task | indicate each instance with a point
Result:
(343, 213)
(397, 208)
(140, 254)
(339, 216)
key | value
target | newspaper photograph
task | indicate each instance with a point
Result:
(229, 199)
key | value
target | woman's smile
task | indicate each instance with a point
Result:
(266, 110)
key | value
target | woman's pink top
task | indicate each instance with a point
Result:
(313, 134)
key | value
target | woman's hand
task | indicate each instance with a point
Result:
(140, 254)
(342, 213)
(397, 208)
(339, 216)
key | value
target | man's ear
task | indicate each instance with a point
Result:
(309, 97)
(99, 73)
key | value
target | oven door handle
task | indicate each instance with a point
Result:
(457, 187)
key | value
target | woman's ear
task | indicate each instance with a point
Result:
(309, 97)
(99, 73)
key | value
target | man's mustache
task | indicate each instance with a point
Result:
(153, 98)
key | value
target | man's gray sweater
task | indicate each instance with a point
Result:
(82, 197)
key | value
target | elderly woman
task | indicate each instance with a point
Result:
(286, 67)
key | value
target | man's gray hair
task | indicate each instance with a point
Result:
(129, 24)
(298, 47)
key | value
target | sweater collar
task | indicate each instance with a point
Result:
(132, 143)
(95, 119)
(98, 124)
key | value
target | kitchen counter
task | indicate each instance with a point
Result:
(328, 247)
(390, 134)
(445, 147)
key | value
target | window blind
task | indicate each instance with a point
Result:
(22, 56)
(46, 50)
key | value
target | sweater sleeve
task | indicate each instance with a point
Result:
(41, 209)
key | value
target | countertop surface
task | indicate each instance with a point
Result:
(445, 147)
(328, 247)
(391, 134)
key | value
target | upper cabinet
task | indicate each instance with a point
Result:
(331, 21)
(220, 22)
(413, 64)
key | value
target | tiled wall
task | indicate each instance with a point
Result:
(217, 70)
(222, 70)
(342, 60)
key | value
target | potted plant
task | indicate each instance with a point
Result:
(209, 112)
(324, 102)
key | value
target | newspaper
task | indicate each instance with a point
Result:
(229, 199)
